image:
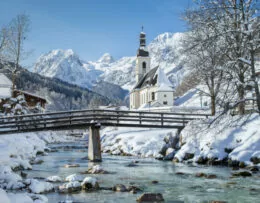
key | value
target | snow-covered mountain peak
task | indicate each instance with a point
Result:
(106, 59)
(165, 51)
(163, 37)
(60, 53)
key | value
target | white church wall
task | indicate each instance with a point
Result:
(134, 100)
(139, 66)
(165, 98)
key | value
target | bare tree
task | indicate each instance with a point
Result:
(17, 34)
(3, 41)
(205, 53)
(230, 22)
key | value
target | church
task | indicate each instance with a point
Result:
(152, 88)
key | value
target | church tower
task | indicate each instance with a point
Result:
(142, 60)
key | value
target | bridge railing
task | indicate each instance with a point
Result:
(85, 118)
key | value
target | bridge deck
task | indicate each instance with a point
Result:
(82, 119)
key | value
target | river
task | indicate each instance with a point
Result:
(174, 187)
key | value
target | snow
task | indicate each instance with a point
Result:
(72, 184)
(106, 59)
(40, 186)
(227, 133)
(165, 51)
(4, 81)
(5, 92)
(163, 82)
(21, 198)
(90, 180)
(16, 151)
(134, 141)
(54, 179)
(74, 177)
(3, 197)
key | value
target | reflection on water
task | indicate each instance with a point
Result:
(183, 187)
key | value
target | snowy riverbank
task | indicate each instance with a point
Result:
(233, 138)
(16, 152)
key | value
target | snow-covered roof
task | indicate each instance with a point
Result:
(5, 92)
(163, 82)
(33, 95)
(155, 77)
(4, 81)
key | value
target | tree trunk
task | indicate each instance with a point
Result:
(213, 104)
(257, 93)
(241, 96)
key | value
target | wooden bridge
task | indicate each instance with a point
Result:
(81, 119)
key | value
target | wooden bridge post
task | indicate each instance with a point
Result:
(94, 145)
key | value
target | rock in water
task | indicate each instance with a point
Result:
(90, 183)
(74, 177)
(242, 173)
(71, 165)
(70, 187)
(150, 197)
(97, 169)
(119, 188)
(54, 179)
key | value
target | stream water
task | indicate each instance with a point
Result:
(174, 188)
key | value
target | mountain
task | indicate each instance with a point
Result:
(66, 65)
(164, 50)
(59, 94)
(106, 59)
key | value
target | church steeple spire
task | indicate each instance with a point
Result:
(142, 47)
(142, 38)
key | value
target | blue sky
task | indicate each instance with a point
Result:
(94, 27)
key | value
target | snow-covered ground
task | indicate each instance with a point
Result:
(134, 141)
(16, 152)
(240, 135)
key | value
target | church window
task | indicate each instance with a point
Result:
(153, 96)
(165, 102)
(144, 67)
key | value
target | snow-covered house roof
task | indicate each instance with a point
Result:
(29, 94)
(155, 77)
(163, 82)
(4, 81)
(5, 87)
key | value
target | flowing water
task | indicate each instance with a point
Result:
(174, 187)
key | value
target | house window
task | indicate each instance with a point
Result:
(153, 96)
(165, 102)
(144, 67)
(165, 95)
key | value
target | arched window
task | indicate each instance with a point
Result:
(144, 67)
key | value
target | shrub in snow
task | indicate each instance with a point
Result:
(15, 106)
(40, 187)
(74, 177)
(90, 183)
